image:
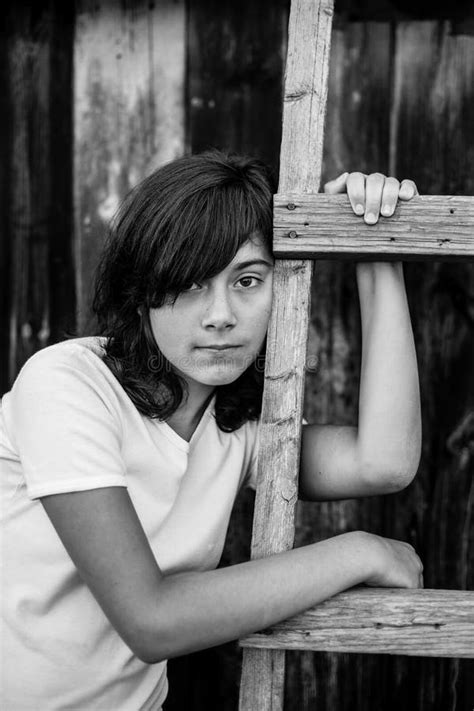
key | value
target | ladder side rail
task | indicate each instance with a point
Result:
(304, 106)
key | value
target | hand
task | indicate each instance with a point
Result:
(396, 564)
(372, 195)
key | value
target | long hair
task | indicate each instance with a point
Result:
(183, 223)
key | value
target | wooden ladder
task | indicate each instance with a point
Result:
(308, 226)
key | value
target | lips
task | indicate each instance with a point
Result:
(219, 347)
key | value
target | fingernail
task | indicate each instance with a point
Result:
(386, 210)
(359, 209)
(370, 218)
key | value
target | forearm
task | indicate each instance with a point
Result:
(201, 609)
(389, 425)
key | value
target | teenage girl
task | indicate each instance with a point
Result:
(122, 453)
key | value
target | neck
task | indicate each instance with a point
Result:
(188, 415)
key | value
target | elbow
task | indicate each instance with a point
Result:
(148, 649)
(390, 478)
(159, 641)
(391, 468)
(150, 657)
(398, 480)
(145, 647)
(144, 636)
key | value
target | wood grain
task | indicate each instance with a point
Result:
(356, 138)
(236, 55)
(436, 623)
(428, 227)
(29, 70)
(304, 108)
(128, 113)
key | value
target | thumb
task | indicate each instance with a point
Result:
(338, 185)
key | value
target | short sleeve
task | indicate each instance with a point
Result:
(251, 478)
(63, 424)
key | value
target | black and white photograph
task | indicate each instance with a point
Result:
(237, 355)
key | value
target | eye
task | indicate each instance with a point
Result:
(248, 281)
(194, 287)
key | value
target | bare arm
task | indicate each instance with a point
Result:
(389, 433)
(381, 454)
(162, 616)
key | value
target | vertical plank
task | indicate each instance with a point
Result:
(263, 688)
(32, 267)
(304, 109)
(129, 62)
(236, 55)
(6, 130)
(433, 143)
(356, 138)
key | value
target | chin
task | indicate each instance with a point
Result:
(215, 379)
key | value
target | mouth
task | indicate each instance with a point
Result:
(219, 347)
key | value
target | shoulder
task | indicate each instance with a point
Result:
(247, 435)
(75, 352)
(71, 372)
(72, 360)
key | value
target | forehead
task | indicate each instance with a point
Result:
(253, 248)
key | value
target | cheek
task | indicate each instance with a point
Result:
(260, 319)
(167, 331)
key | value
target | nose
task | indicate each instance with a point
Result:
(219, 313)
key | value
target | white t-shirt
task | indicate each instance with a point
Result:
(68, 425)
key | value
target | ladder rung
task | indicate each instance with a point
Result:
(319, 226)
(419, 622)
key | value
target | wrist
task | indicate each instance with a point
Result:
(357, 554)
(378, 268)
(366, 549)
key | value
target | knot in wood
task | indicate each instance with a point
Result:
(288, 490)
(292, 234)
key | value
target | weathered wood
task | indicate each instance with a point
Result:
(29, 74)
(433, 115)
(262, 683)
(304, 108)
(436, 623)
(428, 227)
(357, 133)
(356, 138)
(235, 63)
(129, 64)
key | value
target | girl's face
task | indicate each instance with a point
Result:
(215, 329)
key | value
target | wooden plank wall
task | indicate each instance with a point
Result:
(37, 297)
(153, 79)
(401, 97)
(129, 61)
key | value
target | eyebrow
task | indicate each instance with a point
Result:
(253, 263)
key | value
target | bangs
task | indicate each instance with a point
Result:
(211, 226)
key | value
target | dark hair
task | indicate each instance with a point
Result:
(183, 223)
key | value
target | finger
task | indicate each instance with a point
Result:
(390, 192)
(338, 185)
(356, 192)
(408, 190)
(373, 197)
